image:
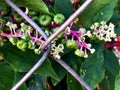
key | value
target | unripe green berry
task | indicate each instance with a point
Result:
(22, 44)
(13, 40)
(18, 18)
(71, 44)
(26, 37)
(30, 44)
(24, 28)
(34, 18)
(60, 35)
(3, 20)
(79, 53)
(37, 51)
(93, 37)
(59, 18)
(44, 20)
(31, 13)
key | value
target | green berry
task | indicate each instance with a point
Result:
(93, 37)
(44, 20)
(26, 37)
(24, 28)
(18, 18)
(59, 19)
(34, 18)
(22, 44)
(3, 20)
(30, 44)
(60, 35)
(31, 13)
(79, 53)
(13, 40)
(37, 51)
(71, 44)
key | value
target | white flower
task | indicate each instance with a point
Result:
(86, 55)
(57, 56)
(89, 45)
(103, 23)
(92, 51)
(82, 30)
(67, 30)
(92, 27)
(88, 34)
(61, 46)
(22, 24)
(81, 39)
(56, 50)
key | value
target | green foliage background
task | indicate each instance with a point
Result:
(102, 68)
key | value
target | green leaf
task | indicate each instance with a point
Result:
(105, 13)
(60, 71)
(99, 7)
(7, 76)
(117, 82)
(64, 7)
(92, 70)
(46, 69)
(37, 5)
(37, 82)
(115, 19)
(72, 83)
(111, 62)
(75, 64)
(71, 60)
(19, 76)
(117, 31)
(24, 61)
(2, 1)
(108, 82)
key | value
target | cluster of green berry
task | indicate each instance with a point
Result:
(20, 33)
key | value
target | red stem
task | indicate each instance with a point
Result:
(111, 45)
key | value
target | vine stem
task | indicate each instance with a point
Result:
(67, 22)
(46, 53)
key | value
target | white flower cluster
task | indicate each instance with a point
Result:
(103, 31)
(56, 50)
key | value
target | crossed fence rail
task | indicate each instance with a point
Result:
(46, 46)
